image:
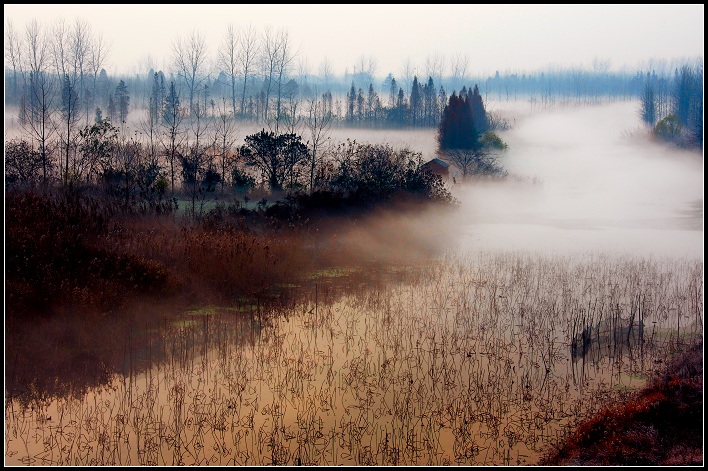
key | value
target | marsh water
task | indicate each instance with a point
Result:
(555, 293)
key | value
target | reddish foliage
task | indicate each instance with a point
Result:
(661, 425)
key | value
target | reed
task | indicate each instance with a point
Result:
(467, 359)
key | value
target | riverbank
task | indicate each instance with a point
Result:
(662, 425)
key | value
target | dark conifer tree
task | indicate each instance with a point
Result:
(123, 101)
(457, 129)
(479, 115)
(415, 102)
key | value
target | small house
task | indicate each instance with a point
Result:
(438, 167)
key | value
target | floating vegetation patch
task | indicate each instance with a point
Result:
(332, 272)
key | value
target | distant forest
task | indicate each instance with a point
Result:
(257, 76)
(141, 134)
(353, 99)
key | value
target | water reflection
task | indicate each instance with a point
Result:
(461, 360)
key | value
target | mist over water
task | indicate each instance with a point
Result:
(588, 179)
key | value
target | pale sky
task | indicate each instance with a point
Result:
(508, 38)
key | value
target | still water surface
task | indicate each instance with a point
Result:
(564, 290)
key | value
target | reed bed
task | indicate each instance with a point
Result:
(471, 359)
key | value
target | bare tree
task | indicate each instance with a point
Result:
(69, 114)
(325, 71)
(149, 127)
(371, 67)
(13, 50)
(173, 115)
(98, 55)
(360, 65)
(247, 54)
(225, 135)
(80, 44)
(286, 57)
(270, 54)
(70, 52)
(407, 73)
(478, 162)
(365, 67)
(190, 59)
(60, 48)
(198, 175)
(458, 68)
(303, 71)
(434, 66)
(41, 91)
(318, 123)
(228, 60)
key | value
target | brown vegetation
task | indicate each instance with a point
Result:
(660, 425)
(66, 254)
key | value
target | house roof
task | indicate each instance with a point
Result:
(438, 162)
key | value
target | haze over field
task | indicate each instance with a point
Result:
(602, 185)
(220, 252)
(583, 179)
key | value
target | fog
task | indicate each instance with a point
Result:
(602, 186)
(585, 179)
(581, 179)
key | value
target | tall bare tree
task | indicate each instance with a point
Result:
(434, 66)
(173, 115)
(99, 51)
(70, 117)
(41, 90)
(13, 53)
(458, 68)
(249, 46)
(407, 73)
(326, 71)
(198, 175)
(228, 60)
(225, 135)
(189, 56)
(276, 57)
(80, 46)
(318, 123)
(61, 48)
(286, 58)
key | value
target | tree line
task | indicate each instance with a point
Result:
(672, 105)
(263, 78)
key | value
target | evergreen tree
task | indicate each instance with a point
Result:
(415, 102)
(171, 106)
(371, 104)
(457, 129)
(688, 101)
(360, 106)
(351, 99)
(479, 115)
(429, 103)
(123, 101)
(392, 96)
(157, 98)
(648, 104)
(111, 108)
(442, 101)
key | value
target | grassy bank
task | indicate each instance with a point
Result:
(661, 425)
